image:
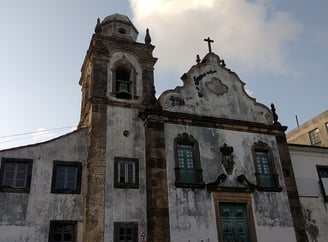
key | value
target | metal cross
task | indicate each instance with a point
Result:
(209, 41)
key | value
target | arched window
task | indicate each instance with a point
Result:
(266, 176)
(188, 170)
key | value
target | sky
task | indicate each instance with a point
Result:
(277, 47)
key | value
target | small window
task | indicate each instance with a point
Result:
(62, 231)
(126, 173)
(66, 177)
(323, 180)
(188, 171)
(265, 173)
(125, 232)
(326, 124)
(314, 136)
(15, 175)
(122, 30)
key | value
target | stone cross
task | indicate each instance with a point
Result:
(209, 41)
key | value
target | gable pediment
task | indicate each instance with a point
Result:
(210, 89)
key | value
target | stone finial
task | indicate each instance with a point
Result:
(274, 114)
(98, 27)
(197, 59)
(222, 62)
(147, 37)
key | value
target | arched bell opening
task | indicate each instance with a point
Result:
(123, 83)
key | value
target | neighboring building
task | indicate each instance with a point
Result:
(310, 165)
(203, 162)
(312, 132)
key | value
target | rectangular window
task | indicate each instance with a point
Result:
(314, 136)
(266, 176)
(323, 176)
(62, 231)
(263, 169)
(326, 126)
(186, 156)
(125, 232)
(126, 173)
(186, 163)
(66, 177)
(15, 175)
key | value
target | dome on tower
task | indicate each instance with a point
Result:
(118, 25)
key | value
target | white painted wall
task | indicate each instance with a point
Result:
(192, 211)
(26, 216)
(315, 211)
(124, 205)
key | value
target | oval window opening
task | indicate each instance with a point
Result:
(122, 30)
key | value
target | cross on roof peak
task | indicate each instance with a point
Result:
(209, 41)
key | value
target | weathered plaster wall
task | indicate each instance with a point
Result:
(192, 211)
(315, 210)
(210, 89)
(26, 216)
(124, 205)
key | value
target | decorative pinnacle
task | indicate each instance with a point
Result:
(197, 59)
(98, 27)
(147, 37)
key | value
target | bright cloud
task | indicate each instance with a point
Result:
(42, 134)
(245, 33)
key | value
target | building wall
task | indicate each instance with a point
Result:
(124, 204)
(300, 135)
(315, 212)
(26, 216)
(192, 211)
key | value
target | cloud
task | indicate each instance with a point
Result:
(42, 135)
(249, 34)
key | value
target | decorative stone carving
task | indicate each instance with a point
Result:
(216, 86)
(227, 158)
(175, 100)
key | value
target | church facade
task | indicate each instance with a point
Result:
(202, 162)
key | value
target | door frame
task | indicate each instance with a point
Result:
(235, 197)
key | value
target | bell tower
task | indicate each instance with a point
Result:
(117, 83)
(116, 67)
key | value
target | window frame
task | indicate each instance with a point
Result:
(28, 175)
(125, 184)
(324, 191)
(119, 225)
(315, 137)
(53, 223)
(263, 147)
(186, 139)
(78, 166)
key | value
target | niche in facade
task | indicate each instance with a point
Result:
(124, 78)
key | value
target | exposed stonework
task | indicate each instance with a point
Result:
(293, 197)
(156, 184)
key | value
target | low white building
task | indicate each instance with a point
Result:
(310, 164)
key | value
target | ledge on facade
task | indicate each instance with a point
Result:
(190, 185)
(208, 121)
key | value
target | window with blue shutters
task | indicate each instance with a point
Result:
(188, 169)
(266, 176)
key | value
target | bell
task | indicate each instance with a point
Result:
(123, 89)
